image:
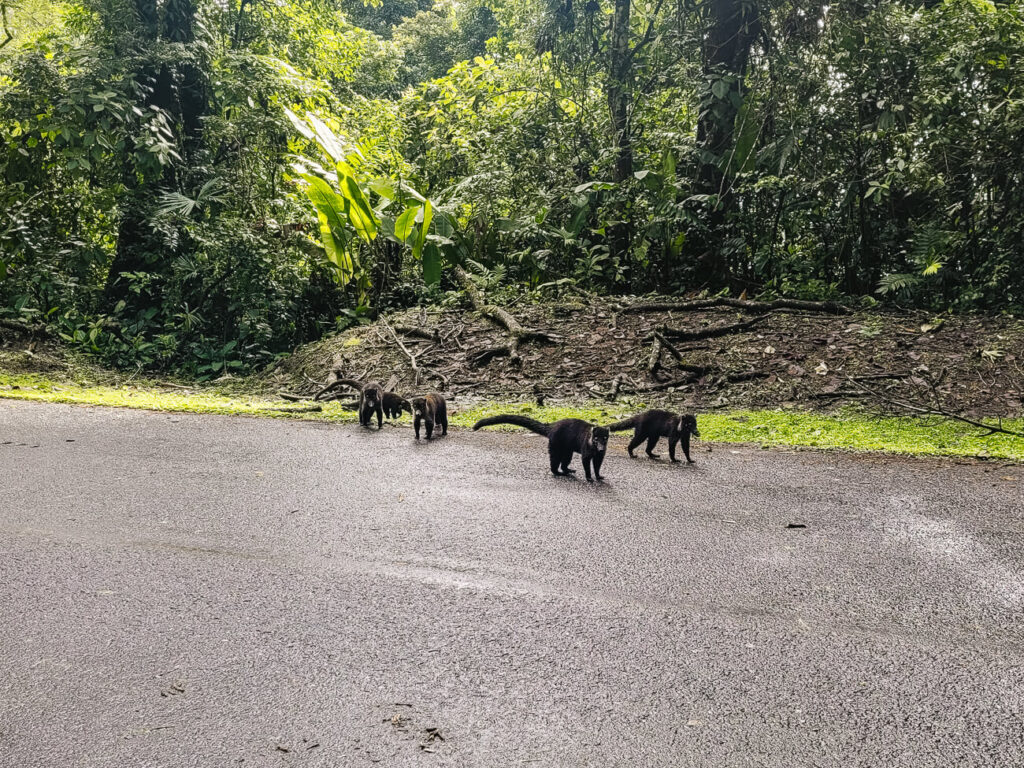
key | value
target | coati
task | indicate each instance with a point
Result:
(394, 405)
(371, 396)
(565, 438)
(653, 425)
(430, 409)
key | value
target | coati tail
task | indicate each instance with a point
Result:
(519, 421)
(629, 423)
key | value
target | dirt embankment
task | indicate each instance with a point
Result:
(705, 358)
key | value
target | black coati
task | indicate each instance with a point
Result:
(565, 438)
(394, 405)
(371, 396)
(430, 409)
(654, 425)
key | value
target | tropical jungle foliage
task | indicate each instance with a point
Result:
(203, 185)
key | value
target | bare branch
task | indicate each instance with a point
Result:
(829, 307)
(934, 410)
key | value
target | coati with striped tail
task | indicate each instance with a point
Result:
(565, 438)
(394, 404)
(430, 409)
(654, 425)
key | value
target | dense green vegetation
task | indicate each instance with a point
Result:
(202, 186)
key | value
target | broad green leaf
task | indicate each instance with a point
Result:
(746, 132)
(325, 137)
(383, 187)
(431, 264)
(428, 214)
(330, 208)
(405, 223)
(360, 214)
(300, 125)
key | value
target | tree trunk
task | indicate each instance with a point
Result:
(620, 93)
(733, 25)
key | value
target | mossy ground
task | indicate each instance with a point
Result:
(848, 430)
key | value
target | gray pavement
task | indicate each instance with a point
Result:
(205, 591)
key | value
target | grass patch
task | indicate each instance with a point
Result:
(849, 430)
(154, 398)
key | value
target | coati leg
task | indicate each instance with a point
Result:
(555, 464)
(598, 460)
(560, 462)
(586, 468)
(635, 443)
(686, 448)
(416, 425)
(443, 418)
(430, 428)
(380, 416)
(672, 449)
(651, 442)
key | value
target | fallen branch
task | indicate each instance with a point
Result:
(735, 378)
(616, 386)
(408, 354)
(668, 384)
(335, 383)
(932, 410)
(306, 409)
(503, 318)
(481, 359)
(655, 360)
(710, 333)
(21, 327)
(829, 307)
(669, 347)
(419, 333)
(880, 376)
(293, 398)
(839, 393)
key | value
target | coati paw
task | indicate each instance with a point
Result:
(690, 461)
(676, 461)
(568, 471)
(654, 455)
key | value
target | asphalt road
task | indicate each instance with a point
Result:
(205, 591)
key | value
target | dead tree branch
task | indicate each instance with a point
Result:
(655, 360)
(934, 410)
(333, 382)
(710, 333)
(293, 398)
(416, 373)
(503, 318)
(427, 334)
(829, 307)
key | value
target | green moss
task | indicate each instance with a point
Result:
(153, 398)
(849, 430)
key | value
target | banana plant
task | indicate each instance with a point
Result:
(346, 217)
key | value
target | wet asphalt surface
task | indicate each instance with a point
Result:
(180, 590)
